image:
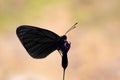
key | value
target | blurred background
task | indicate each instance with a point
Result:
(95, 50)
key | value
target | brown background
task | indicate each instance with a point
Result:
(95, 51)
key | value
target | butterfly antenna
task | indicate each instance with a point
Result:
(74, 26)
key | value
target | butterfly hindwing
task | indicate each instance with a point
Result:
(37, 41)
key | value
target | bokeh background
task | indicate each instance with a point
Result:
(95, 51)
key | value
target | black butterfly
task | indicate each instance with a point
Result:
(39, 42)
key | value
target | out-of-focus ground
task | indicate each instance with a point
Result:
(95, 51)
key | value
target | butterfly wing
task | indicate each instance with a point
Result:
(38, 42)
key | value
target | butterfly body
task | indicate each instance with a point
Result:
(39, 42)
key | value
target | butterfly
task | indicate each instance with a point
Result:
(39, 42)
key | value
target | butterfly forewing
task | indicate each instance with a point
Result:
(37, 41)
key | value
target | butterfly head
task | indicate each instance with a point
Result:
(64, 37)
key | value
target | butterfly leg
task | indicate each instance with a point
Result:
(60, 53)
